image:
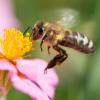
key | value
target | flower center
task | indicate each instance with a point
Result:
(14, 44)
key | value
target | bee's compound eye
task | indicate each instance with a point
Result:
(41, 30)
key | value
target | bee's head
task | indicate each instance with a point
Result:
(38, 30)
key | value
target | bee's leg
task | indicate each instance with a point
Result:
(60, 50)
(58, 59)
(53, 62)
(45, 36)
(41, 45)
(27, 30)
(48, 49)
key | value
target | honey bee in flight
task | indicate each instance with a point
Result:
(55, 36)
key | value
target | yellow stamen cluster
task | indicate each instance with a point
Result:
(14, 44)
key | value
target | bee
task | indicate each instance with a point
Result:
(54, 36)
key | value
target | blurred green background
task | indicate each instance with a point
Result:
(79, 76)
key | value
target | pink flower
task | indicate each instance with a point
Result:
(26, 75)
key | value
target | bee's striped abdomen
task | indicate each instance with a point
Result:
(79, 42)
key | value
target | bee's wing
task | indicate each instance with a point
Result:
(68, 17)
(65, 16)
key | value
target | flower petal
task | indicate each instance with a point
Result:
(26, 86)
(34, 70)
(6, 65)
(7, 15)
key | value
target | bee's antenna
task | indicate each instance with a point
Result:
(27, 30)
